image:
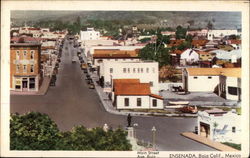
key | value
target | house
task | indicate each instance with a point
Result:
(205, 56)
(220, 126)
(89, 34)
(189, 56)
(25, 68)
(219, 34)
(226, 82)
(199, 33)
(131, 94)
(146, 71)
(199, 43)
(211, 44)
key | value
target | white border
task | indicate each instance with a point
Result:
(7, 6)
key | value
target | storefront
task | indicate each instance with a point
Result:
(25, 83)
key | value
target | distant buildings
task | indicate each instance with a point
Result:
(219, 34)
(25, 69)
(89, 34)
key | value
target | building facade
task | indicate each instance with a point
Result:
(25, 69)
(212, 34)
(146, 71)
(219, 125)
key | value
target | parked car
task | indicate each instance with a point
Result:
(91, 86)
(84, 66)
(189, 109)
(85, 71)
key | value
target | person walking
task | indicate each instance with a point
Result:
(129, 118)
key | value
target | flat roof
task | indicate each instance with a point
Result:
(229, 72)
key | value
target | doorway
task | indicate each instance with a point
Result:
(25, 84)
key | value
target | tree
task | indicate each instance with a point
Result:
(167, 72)
(33, 131)
(180, 32)
(210, 25)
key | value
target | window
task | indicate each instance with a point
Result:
(124, 59)
(202, 55)
(24, 68)
(32, 83)
(195, 77)
(128, 70)
(138, 70)
(153, 70)
(111, 70)
(151, 84)
(31, 68)
(154, 102)
(124, 70)
(126, 101)
(209, 77)
(138, 101)
(141, 70)
(134, 70)
(116, 59)
(17, 68)
(24, 54)
(147, 70)
(233, 129)
(17, 54)
(31, 54)
(232, 90)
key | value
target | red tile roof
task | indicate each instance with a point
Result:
(199, 42)
(156, 96)
(132, 89)
(175, 42)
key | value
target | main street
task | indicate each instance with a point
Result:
(72, 103)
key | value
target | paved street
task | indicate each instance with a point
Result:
(72, 103)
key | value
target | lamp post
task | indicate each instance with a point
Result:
(135, 125)
(153, 132)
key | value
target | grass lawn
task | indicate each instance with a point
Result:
(235, 146)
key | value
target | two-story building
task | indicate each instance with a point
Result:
(25, 69)
(146, 71)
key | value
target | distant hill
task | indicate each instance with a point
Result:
(221, 20)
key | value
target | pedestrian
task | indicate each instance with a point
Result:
(129, 118)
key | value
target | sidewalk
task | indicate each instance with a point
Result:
(208, 142)
(42, 90)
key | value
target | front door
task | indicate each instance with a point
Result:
(25, 85)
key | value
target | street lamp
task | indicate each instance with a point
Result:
(135, 125)
(153, 132)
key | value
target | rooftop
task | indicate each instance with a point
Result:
(229, 72)
(132, 89)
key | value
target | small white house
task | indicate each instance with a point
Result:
(219, 125)
(90, 34)
(133, 95)
(146, 71)
(189, 56)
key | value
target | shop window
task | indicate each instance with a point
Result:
(126, 101)
(154, 102)
(232, 90)
(32, 83)
(18, 86)
(138, 101)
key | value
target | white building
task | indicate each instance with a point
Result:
(219, 125)
(189, 56)
(90, 34)
(131, 94)
(146, 71)
(220, 33)
(226, 82)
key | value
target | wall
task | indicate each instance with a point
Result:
(133, 102)
(202, 83)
